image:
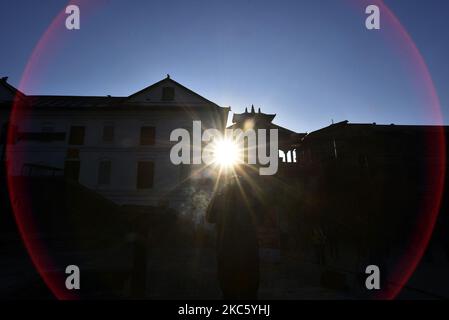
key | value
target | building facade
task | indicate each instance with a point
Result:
(116, 146)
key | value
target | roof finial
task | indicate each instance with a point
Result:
(246, 110)
(252, 108)
(258, 110)
(168, 76)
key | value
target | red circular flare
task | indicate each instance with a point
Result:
(405, 268)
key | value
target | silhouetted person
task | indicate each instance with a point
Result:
(139, 263)
(319, 242)
(333, 240)
(237, 247)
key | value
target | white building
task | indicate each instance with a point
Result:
(117, 146)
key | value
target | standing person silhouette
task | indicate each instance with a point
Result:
(234, 213)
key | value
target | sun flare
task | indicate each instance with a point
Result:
(226, 153)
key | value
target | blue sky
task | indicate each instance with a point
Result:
(307, 61)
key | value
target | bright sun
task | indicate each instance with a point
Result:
(226, 153)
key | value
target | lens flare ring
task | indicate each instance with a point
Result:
(40, 257)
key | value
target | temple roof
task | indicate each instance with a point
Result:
(264, 121)
(257, 116)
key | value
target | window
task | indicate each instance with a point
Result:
(282, 156)
(147, 135)
(168, 93)
(145, 174)
(73, 153)
(108, 133)
(76, 135)
(72, 170)
(104, 172)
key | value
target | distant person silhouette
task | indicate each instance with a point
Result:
(319, 241)
(234, 213)
(139, 241)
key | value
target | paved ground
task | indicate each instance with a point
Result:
(171, 274)
(190, 274)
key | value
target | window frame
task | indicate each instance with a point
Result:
(106, 125)
(99, 172)
(143, 139)
(140, 184)
(168, 93)
(72, 135)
